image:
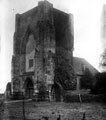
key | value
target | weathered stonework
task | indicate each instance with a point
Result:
(43, 49)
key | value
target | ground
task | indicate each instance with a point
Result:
(52, 110)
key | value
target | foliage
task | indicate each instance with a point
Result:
(85, 98)
(87, 79)
(100, 86)
(2, 106)
(17, 96)
(103, 61)
(42, 92)
(64, 73)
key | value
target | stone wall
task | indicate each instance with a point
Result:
(52, 33)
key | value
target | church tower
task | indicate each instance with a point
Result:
(43, 52)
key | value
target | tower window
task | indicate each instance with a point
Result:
(30, 63)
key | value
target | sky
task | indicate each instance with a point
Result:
(88, 41)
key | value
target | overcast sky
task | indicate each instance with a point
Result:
(88, 42)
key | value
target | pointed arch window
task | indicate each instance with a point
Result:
(30, 63)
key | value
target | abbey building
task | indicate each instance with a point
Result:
(43, 52)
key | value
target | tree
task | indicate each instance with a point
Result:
(103, 61)
(100, 86)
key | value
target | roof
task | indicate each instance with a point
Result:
(79, 63)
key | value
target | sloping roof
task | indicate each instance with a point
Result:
(78, 64)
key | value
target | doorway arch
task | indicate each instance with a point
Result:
(29, 88)
(56, 92)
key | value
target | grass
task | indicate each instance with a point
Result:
(67, 111)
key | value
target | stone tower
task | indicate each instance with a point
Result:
(43, 51)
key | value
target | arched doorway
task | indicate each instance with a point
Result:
(56, 92)
(29, 88)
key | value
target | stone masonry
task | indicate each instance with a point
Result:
(43, 50)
